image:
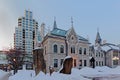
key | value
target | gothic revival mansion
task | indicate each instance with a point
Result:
(60, 43)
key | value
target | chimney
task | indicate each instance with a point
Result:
(42, 30)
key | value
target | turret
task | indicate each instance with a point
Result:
(54, 25)
(98, 39)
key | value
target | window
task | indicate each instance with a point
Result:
(74, 62)
(96, 63)
(80, 50)
(99, 63)
(99, 54)
(85, 63)
(55, 48)
(55, 62)
(96, 54)
(84, 51)
(62, 49)
(102, 63)
(73, 49)
(61, 61)
(80, 63)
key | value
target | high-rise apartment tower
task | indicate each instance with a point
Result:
(26, 35)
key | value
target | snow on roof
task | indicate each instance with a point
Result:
(108, 47)
(68, 57)
(82, 38)
(38, 48)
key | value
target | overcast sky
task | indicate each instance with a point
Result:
(88, 15)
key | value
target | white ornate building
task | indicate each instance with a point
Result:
(97, 52)
(105, 54)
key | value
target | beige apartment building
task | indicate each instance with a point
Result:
(113, 58)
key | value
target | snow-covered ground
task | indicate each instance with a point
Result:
(23, 75)
(3, 74)
(87, 73)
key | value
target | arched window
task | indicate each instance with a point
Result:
(55, 48)
(84, 51)
(80, 50)
(72, 49)
(61, 49)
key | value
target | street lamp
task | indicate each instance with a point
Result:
(14, 59)
(14, 65)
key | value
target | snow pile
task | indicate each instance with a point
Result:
(41, 75)
(59, 76)
(87, 70)
(23, 75)
(77, 74)
(67, 57)
(103, 72)
(3, 74)
(103, 69)
(116, 70)
(85, 73)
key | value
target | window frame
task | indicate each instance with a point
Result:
(73, 49)
(55, 63)
(80, 50)
(55, 48)
(61, 49)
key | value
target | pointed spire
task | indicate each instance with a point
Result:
(71, 21)
(98, 29)
(98, 38)
(54, 25)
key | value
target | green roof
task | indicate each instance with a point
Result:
(81, 38)
(59, 32)
(62, 33)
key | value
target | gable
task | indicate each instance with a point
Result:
(71, 35)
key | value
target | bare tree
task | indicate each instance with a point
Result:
(16, 58)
